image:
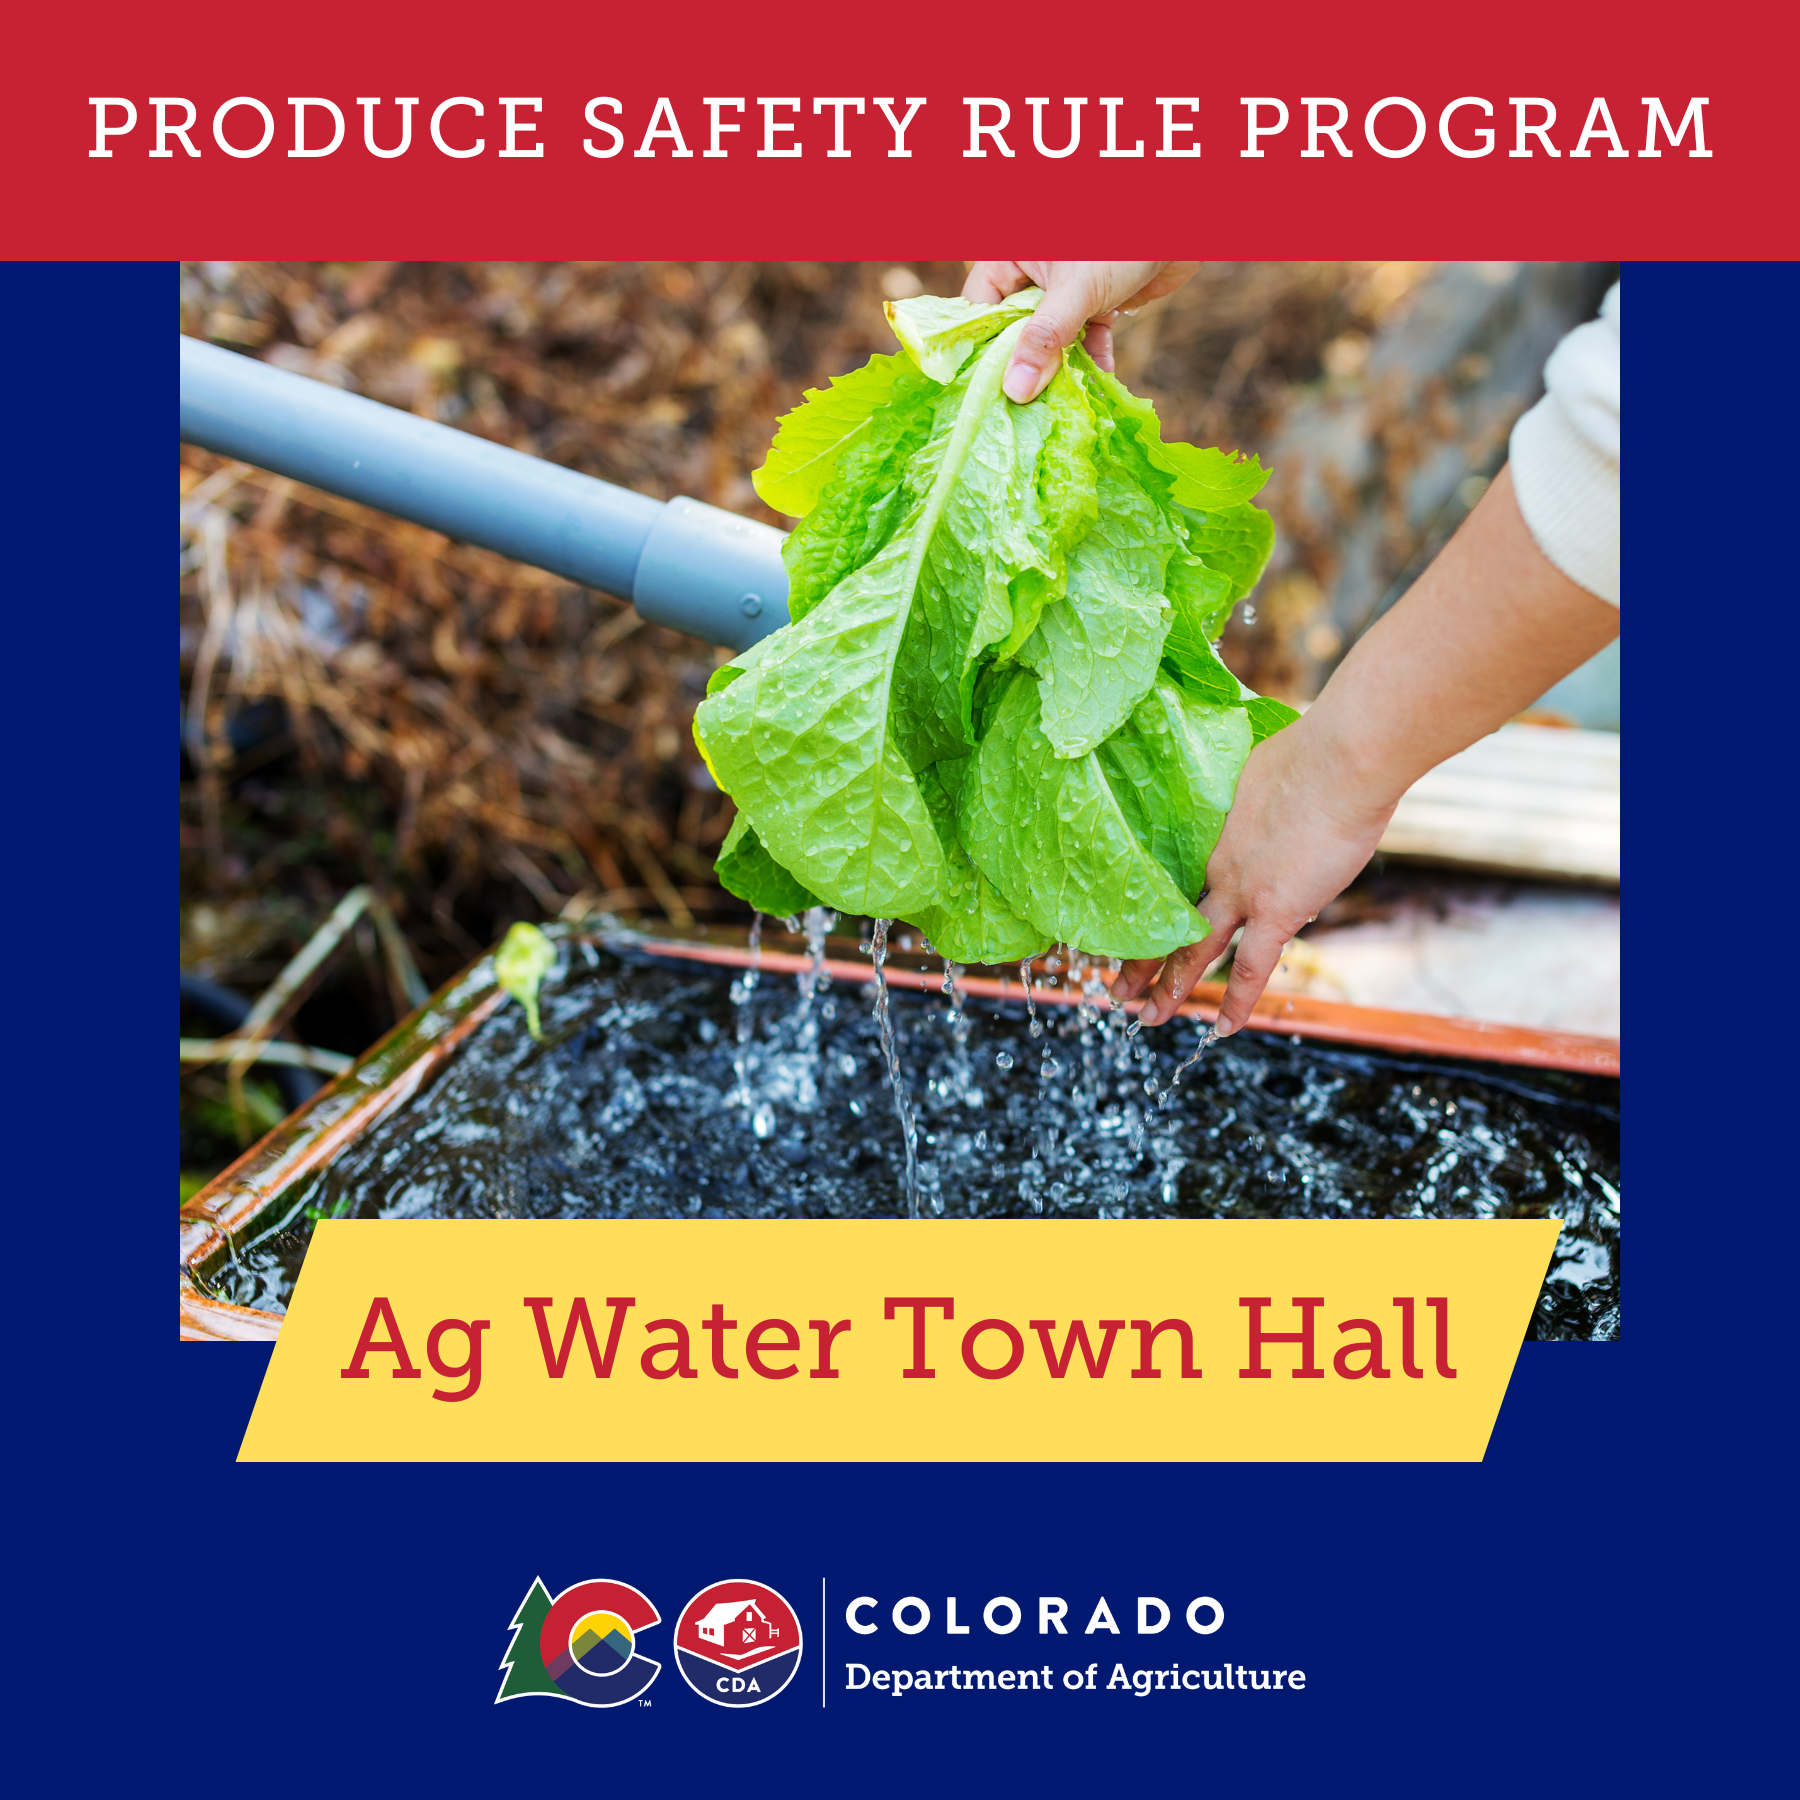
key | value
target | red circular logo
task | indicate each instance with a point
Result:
(737, 1643)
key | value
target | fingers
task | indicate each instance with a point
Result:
(1081, 300)
(1168, 277)
(1187, 965)
(1134, 976)
(987, 283)
(1036, 357)
(1178, 975)
(1258, 953)
(1061, 318)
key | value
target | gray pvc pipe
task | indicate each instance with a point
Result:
(685, 564)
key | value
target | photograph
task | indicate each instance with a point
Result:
(868, 865)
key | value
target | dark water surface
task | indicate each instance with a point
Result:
(669, 1090)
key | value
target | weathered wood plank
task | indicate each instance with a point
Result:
(1529, 800)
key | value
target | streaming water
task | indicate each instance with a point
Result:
(814, 981)
(959, 1084)
(743, 1000)
(1034, 1024)
(890, 1050)
(1162, 1094)
(635, 1105)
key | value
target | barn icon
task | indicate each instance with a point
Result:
(740, 1629)
(738, 1643)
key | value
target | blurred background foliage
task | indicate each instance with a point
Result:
(364, 701)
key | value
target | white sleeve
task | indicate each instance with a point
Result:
(1565, 455)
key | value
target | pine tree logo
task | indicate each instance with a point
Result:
(523, 1661)
(580, 1645)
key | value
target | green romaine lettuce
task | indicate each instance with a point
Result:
(939, 334)
(746, 869)
(997, 711)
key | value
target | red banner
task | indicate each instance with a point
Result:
(1542, 131)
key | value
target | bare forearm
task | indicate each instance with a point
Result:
(1482, 633)
(1487, 628)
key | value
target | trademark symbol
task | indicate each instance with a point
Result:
(643, 1703)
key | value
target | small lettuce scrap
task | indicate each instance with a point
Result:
(524, 958)
(997, 711)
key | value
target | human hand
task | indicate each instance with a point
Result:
(1297, 835)
(1081, 300)
(1489, 626)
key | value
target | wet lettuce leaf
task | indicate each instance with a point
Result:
(939, 335)
(1060, 843)
(746, 869)
(997, 711)
(1267, 717)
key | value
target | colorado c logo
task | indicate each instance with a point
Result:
(581, 1646)
(737, 1643)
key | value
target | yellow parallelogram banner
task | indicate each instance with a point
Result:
(893, 1341)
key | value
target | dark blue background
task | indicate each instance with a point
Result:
(1598, 1606)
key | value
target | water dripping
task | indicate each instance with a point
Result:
(1034, 1024)
(1208, 1034)
(632, 1113)
(743, 999)
(812, 981)
(884, 1022)
(962, 1074)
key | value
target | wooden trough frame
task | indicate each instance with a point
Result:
(235, 1202)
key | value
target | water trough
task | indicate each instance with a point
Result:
(681, 1076)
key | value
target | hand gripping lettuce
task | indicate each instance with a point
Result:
(997, 711)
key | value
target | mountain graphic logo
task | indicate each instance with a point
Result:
(737, 1643)
(581, 1645)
